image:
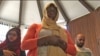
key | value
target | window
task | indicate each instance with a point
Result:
(3, 30)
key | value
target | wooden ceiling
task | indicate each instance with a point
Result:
(62, 5)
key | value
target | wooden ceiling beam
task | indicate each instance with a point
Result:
(20, 13)
(0, 2)
(62, 11)
(40, 8)
(86, 5)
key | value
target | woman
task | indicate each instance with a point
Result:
(11, 46)
(48, 39)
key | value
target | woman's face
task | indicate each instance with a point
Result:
(12, 36)
(52, 12)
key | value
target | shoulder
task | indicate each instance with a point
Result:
(88, 49)
(35, 26)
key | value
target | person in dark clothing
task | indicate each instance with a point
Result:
(11, 46)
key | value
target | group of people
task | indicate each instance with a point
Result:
(46, 39)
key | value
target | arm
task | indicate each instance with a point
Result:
(30, 41)
(4, 52)
(7, 53)
(70, 46)
(90, 51)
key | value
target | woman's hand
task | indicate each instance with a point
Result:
(52, 41)
(8, 53)
(57, 41)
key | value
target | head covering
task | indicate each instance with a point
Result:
(48, 23)
(12, 46)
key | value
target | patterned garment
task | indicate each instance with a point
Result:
(83, 51)
(42, 51)
(83, 54)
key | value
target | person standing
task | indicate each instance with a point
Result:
(79, 44)
(48, 39)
